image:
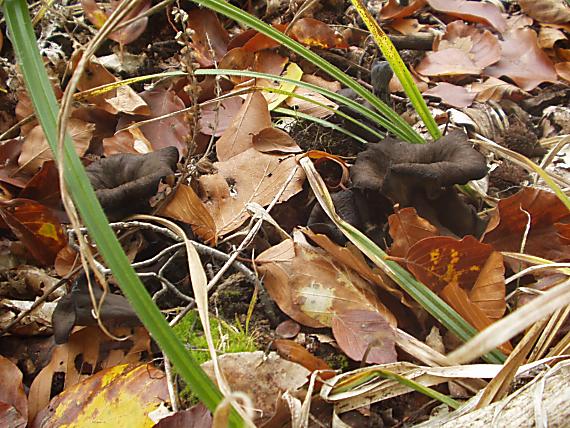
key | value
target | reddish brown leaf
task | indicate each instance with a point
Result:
(496, 89)
(407, 228)
(274, 140)
(547, 11)
(315, 33)
(472, 11)
(507, 226)
(393, 10)
(452, 95)
(294, 352)
(488, 293)
(449, 62)
(287, 329)
(98, 15)
(441, 260)
(171, 131)
(359, 331)
(36, 226)
(44, 187)
(216, 118)
(208, 36)
(238, 59)
(13, 400)
(197, 416)
(187, 207)
(260, 42)
(523, 61)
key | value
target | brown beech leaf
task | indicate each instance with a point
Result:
(98, 15)
(442, 260)
(238, 59)
(261, 42)
(274, 140)
(547, 11)
(216, 119)
(251, 119)
(523, 61)
(86, 352)
(362, 333)
(472, 11)
(187, 207)
(171, 131)
(563, 70)
(448, 62)
(127, 393)
(36, 150)
(124, 183)
(309, 107)
(13, 400)
(250, 176)
(10, 151)
(312, 288)
(506, 229)
(315, 33)
(496, 89)
(488, 293)
(296, 353)
(452, 95)
(548, 36)
(44, 187)
(208, 36)
(393, 9)
(126, 141)
(481, 45)
(458, 299)
(407, 228)
(36, 226)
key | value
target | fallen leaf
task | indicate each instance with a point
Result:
(393, 9)
(362, 333)
(406, 27)
(296, 353)
(472, 11)
(288, 329)
(36, 226)
(563, 70)
(547, 11)
(523, 61)
(261, 42)
(44, 187)
(36, 150)
(197, 416)
(252, 117)
(187, 207)
(274, 140)
(449, 62)
(127, 141)
(314, 33)
(238, 59)
(496, 89)
(170, 131)
(452, 95)
(312, 288)
(548, 36)
(124, 395)
(250, 176)
(309, 107)
(407, 228)
(13, 400)
(209, 38)
(293, 72)
(216, 118)
(506, 228)
(488, 292)
(98, 15)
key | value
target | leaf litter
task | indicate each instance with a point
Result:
(175, 147)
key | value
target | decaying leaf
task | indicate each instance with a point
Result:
(523, 61)
(312, 288)
(262, 377)
(124, 183)
(472, 11)
(422, 176)
(208, 36)
(13, 400)
(365, 336)
(123, 394)
(215, 119)
(546, 215)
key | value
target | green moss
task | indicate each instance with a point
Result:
(338, 362)
(227, 338)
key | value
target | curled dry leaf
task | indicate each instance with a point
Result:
(548, 36)
(123, 394)
(98, 15)
(294, 352)
(472, 11)
(314, 33)
(187, 207)
(563, 70)
(523, 61)
(312, 288)
(209, 38)
(124, 183)
(393, 9)
(36, 226)
(13, 400)
(365, 336)
(453, 95)
(547, 11)
(496, 89)
(547, 238)
(407, 228)
(36, 150)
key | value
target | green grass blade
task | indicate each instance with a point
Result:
(45, 104)
(400, 70)
(401, 128)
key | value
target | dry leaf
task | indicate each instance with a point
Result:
(13, 400)
(393, 9)
(407, 228)
(274, 140)
(547, 11)
(452, 95)
(496, 89)
(472, 11)
(314, 33)
(208, 36)
(488, 293)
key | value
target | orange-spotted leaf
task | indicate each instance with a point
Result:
(365, 336)
(36, 226)
(442, 260)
